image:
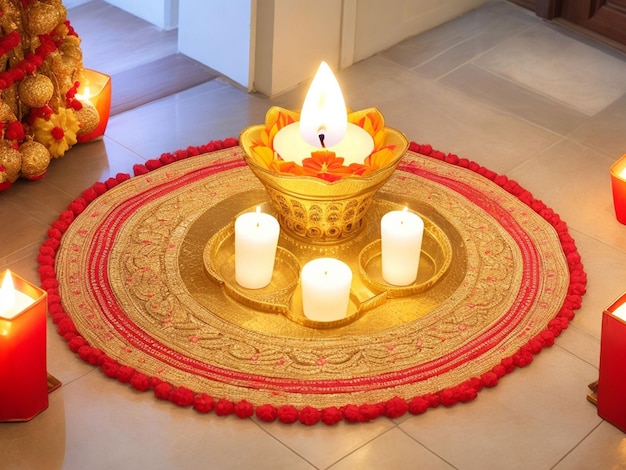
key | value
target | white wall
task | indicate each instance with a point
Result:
(273, 45)
(219, 34)
(380, 26)
(161, 13)
(293, 37)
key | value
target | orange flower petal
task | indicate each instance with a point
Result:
(290, 168)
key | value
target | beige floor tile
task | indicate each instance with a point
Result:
(471, 48)
(418, 50)
(548, 62)
(394, 450)
(604, 448)
(324, 445)
(39, 443)
(15, 222)
(39, 199)
(515, 99)
(605, 131)
(430, 113)
(580, 343)
(530, 419)
(605, 267)
(23, 262)
(88, 163)
(107, 49)
(211, 111)
(63, 363)
(574, 181)
(96, 423)
(166, 76)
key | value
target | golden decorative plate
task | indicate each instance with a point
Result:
(132, 276)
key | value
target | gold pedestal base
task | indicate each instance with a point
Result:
(592, 397)
(53, 383)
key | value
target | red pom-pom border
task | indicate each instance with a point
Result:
(307, 415)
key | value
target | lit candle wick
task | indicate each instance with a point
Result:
(321, 136)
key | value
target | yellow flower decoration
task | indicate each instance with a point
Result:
(58, 133)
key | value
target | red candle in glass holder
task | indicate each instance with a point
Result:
(618, 183)
(96, 88)
(23, 373)
(612, 382)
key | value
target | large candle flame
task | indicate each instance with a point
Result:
(324, 117)
(7, 294)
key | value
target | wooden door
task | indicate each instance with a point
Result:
(603, 18)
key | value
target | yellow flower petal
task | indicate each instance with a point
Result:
(44, 131)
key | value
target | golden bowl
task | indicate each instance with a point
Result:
(314, 210)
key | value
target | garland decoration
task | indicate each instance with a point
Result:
(307, 415)
(40, 72)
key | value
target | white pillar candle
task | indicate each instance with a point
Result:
(620, 312)
(256, 238)
(325, 289)
(355, 147)
(401, 245)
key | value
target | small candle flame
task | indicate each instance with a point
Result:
(404, 211)
(622, 173)
(7, 293)
(84, 95)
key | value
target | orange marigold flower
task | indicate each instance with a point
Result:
(322, 161)
(327, 165)
(290, 168)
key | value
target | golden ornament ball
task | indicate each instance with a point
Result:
(43, 18)
(35, 160)
(35, 91)
(88, 118)
(6, 113)
(11, 160)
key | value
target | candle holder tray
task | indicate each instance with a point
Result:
(362, 253)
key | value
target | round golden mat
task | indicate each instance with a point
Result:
(130, 294)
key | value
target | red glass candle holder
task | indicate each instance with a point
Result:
(611, 393)
(618, 183)
(96, 87)
(23, 374)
